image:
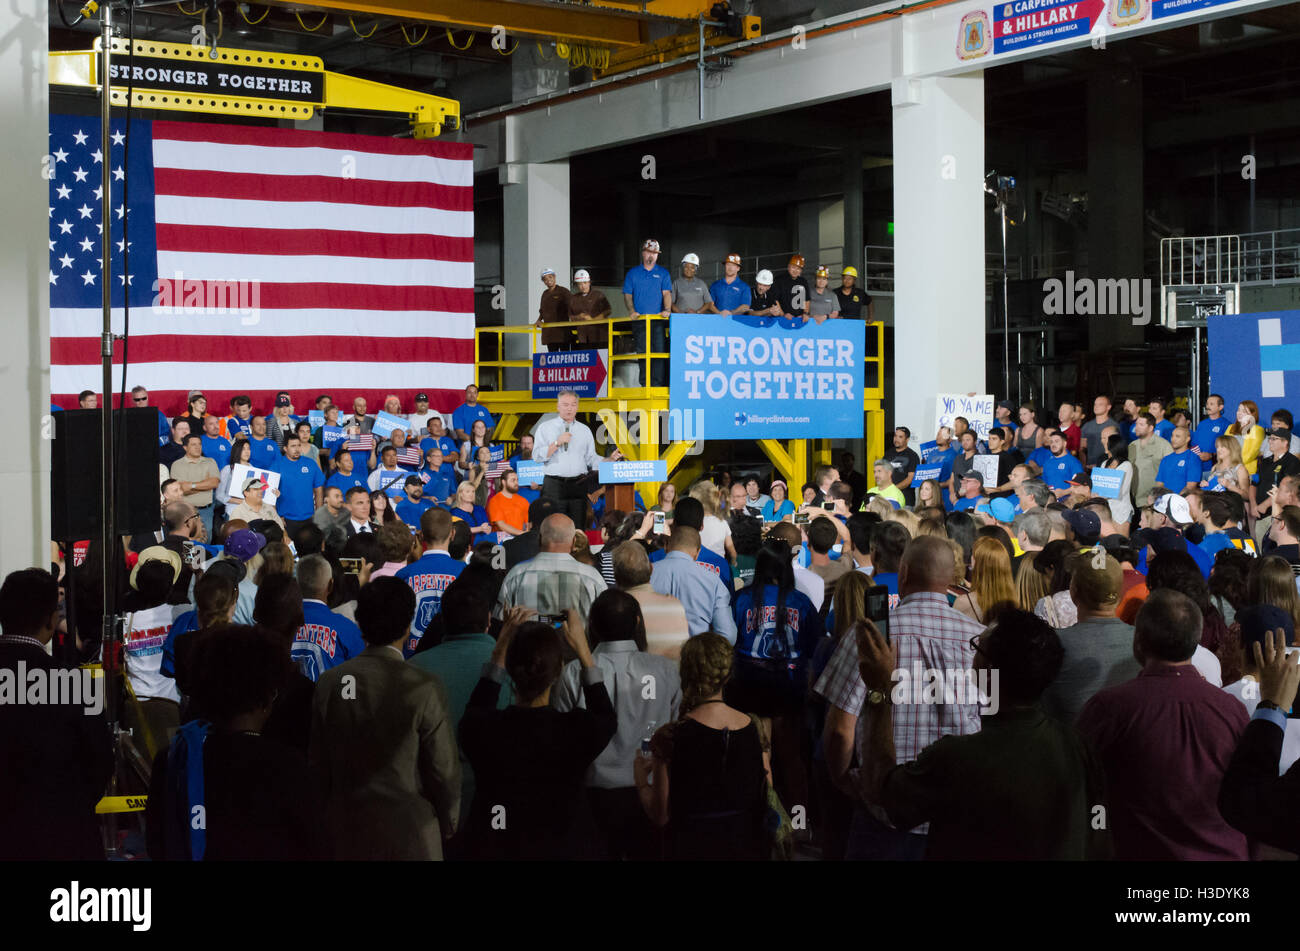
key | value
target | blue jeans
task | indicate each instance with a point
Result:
(872, 840)
(205, 514)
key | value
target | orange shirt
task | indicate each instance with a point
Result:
(513, 511)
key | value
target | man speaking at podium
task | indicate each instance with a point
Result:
(567, 449)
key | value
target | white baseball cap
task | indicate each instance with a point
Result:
(692, 258)
(1175, 508)
(763, 277)
(580, 276)
(546, 271)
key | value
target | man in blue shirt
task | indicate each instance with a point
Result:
(730, 294)
(1163, 426)
(345, 475)
(1180, 468)
(326, 639)
(679, 575)
(240, 419)
(265, 451)
(440, 439)
(1211, 428)
(414, 505)
(431, 574)
(972, 491)
(689, 513)
(464, 415)
(302, 485)
(1061, 467)
(648, 289)
(215, 446)
(1043, 454)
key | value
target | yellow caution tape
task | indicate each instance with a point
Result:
(121, 804)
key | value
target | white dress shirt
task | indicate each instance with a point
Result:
(360, 528)
(577, 458)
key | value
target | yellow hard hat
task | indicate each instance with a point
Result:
(850, 272)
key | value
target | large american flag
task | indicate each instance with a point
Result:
(352, 257)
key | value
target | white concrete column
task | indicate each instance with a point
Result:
(24, 274)
(536, 236)
(938, 244)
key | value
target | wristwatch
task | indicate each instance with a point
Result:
(877, 698)
(1268, 705)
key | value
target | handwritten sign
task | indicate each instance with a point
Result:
(385, 423)
(987, 466)
(243, 471)
(977, 410)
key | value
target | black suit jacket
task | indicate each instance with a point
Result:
(1253, 798)
(522, 548)
(56, 762)
(347, 527)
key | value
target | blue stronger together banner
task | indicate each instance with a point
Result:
(775, 382)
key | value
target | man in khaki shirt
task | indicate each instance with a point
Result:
(1145, 452)
(666, 628)
(198, 476)
(254, 506)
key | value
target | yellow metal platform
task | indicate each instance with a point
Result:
(633, 417)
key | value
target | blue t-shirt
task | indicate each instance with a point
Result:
(706, 559)
(235, 426)
(298, 480)
(890, 580)
(437, 485)
(325, 640)
(964, 504)
(756, 637)
(1164, 429)
(189, 621)
(1203, 438)
(474, 519)
(428, 577)
(264, 452)
(445, 443)
(1177, 469)
(1059, 470)
(775, 514)
(344, 482)
(944, 459)
(730, 296)
(647, 289)
(1040, 456)
(410, 512)
(464, 417)
(217, 449)
(164, 428)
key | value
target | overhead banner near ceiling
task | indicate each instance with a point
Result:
(768, 382)
(1255, 357)
(1024, 23)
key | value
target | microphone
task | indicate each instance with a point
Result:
(565, 447)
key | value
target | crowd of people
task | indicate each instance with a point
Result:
(398, 651)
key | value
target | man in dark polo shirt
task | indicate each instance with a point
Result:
(1164, 740)
(589, 304)
(1273, 471)
(852, 298)
(554, 309)
(791, 288)
(1024, 787)
(904, 462)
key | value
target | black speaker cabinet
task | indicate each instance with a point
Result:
(77, 476)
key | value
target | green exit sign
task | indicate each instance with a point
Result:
(889, 228)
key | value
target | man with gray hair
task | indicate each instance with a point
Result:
(326, 638)
(1033, 494)
(553, 581)
(567, 451)
(1032, 529)
(666, 629)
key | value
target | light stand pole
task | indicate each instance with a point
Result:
(1000, 194)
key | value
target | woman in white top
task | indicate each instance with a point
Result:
(1121, 507)
(241, 450)
(715, 535)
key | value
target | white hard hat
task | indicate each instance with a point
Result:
(581, 276)
(763, 277)
(546, 271)
(692, 258)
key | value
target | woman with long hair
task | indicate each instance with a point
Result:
(1229, 579)
(778, 507)
(1229, 473)
(309, 448)
(241, 450)
(1032, 584)
(710, 767)
(469, 512)
(1272, 582)
(1121, 507)
(991, 587)
(1249, 432)
(469, 448)
(715, 534)
(930, 495)
(1057, 609)
(380, 508)
(666, 500)
(1030, 435)
(777, 632)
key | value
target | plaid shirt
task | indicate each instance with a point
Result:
(928, 633)
(550, 583)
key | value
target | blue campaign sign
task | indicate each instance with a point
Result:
(385, 423)
(1106, 483)
(633, 470)
(333, 436)
(1255, 357)
(1024, 23)
(582, 371)
(1167, 8)
(926, 472)
(928, 449)
(530, 473)
(778, 382)
(316, 418)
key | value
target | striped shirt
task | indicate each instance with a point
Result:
(550, 583)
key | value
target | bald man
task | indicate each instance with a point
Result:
(554, 581)
(927, 634)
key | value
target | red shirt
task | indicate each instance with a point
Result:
(1164, 740)
(1071, 434)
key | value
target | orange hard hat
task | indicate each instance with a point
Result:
(796, 261)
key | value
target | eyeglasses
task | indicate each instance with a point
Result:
(975, 643)
(141, 399)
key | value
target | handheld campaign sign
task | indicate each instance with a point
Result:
(530, 473)
(633, 470)
(977, 410)
(987, 466)
(778, 382)
(1106, 483)
(242, 472)
(333, 436)
(926, 472)
(385, 423)
(927, 450)
(316, 418)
